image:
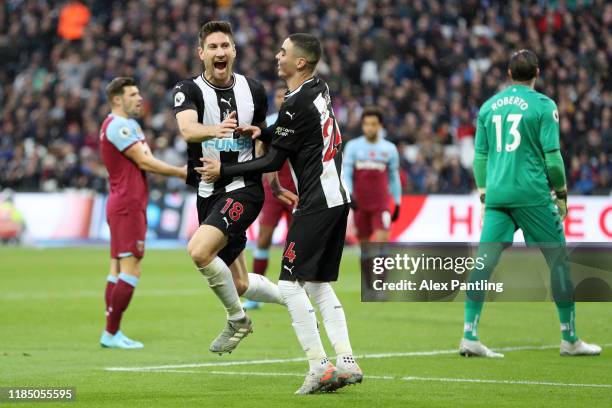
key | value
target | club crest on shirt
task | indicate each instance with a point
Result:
(124, 132)
(179, 98)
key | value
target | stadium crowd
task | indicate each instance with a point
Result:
(428, 64)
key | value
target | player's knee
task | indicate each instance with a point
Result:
(199, 254)
(135, 273)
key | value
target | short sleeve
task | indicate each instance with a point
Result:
(121, 134)
(184, 96)
(260, 100)
(481, 144)
(549, 127)
(290, 123)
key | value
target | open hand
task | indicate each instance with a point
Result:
(249, 130)
(226, 128)
(286, 196)
(210, 170)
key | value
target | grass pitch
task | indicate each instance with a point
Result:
(51, 317)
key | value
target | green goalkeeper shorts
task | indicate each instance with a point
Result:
(540, 224)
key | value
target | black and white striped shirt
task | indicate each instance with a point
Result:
(307, 129)
(213, 104)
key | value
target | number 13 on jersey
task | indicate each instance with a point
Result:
(514, 119)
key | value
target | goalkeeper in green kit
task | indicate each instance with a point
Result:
(516, 164)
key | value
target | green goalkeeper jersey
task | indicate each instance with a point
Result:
(516, 127)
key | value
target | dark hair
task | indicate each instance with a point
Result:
(214, 27)
(372, 111)
(310, 47)
(115, 87)
(523, 65)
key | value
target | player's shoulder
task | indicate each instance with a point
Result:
(252, 82)
(544, 100)
(306, 93)
(120, 129)
(487, 106)
(116, 124)
(388, 145)
(185, 84)
(354, 142)
(255, 86)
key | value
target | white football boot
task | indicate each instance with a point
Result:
(579, 348)
(474, 348)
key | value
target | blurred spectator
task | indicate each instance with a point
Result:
(428, 64)
(12, 223)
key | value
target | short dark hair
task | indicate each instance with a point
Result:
(115, 87)
(523, 65)
(214, 27)
(310, 46)
(372, 111)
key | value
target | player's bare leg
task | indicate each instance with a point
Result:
(128, 269)
(252, 286)
(203, 249)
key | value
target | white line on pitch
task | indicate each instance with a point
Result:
(96, 293)
(298, 359)
(273, 374)
(517, 382)
(411, 378)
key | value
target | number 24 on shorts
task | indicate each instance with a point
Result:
(235, 211)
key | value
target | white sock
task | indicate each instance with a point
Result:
(304, 322)
(261, 289)
(333, 318)
(220, 280)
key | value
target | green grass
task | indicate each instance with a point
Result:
(51, 317)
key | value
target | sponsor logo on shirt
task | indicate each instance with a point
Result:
(370, 165)
(228, 145)
(282, 131)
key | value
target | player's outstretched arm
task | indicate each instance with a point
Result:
(140, 154)
(271, 161)
(195, 132)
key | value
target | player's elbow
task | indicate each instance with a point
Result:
(186, 131)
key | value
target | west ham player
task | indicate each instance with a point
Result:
(273, 209)
(307, 134)
(126, 156)
(371, 171)
(516, 165)
(208, 109)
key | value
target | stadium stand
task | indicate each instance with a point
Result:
(428, 64)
